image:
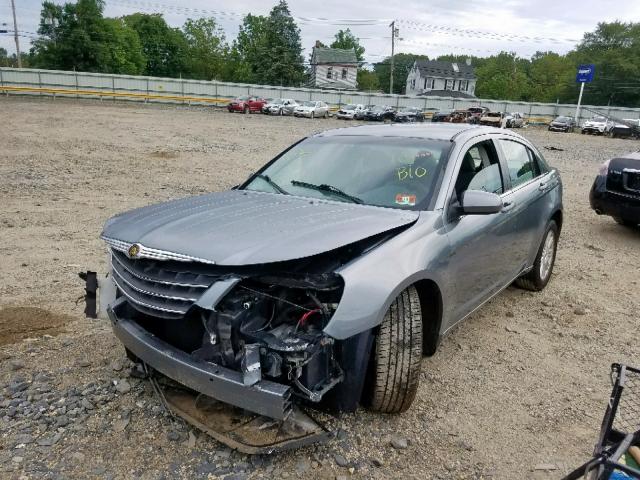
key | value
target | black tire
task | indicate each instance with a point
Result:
(534, 280)
(624, 222)
(313, 115)
(280, 112)
(397, 357)
(246, 110)
(326, 115)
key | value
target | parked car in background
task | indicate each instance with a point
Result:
(492, 119)
(630, 128)
(280, 106)
(460, 116)
(408, 114)
(616, 189)
(441, 116)
(562, 124)
(597, 125)
(514, 120)
(247, 104)
(362, 114)
(326, 276)
(380, 113)
(476, 113)
(312, 109)
(349, 112)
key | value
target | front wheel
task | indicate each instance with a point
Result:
(540, 274)
(394, 375)
(246, 110)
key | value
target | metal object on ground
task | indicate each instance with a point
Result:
(620, 429)
(244, 431)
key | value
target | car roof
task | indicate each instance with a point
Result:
(436, 131)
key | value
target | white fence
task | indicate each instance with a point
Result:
(171, 90)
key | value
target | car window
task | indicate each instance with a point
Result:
(392, 172)
(520, 162)
(480, 170)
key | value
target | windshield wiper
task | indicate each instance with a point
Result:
(275, 186)
(327, 188)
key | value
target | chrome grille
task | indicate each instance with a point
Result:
(159, 288)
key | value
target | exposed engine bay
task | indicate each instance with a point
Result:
(263, 328)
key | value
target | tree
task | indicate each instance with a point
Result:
(270, 49)
(503, 77)
(613, 48)
(402, 63)
(345, 40)
(549, 76)
(368, 81)
(165, 48)
(75, 36)
(120, 50)
(206, 49)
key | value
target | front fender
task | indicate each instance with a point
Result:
(374, 280)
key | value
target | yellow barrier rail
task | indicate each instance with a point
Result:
(106, 93)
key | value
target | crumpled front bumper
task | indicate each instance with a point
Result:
(264, 397)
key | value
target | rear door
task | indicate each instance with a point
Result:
(529, 182)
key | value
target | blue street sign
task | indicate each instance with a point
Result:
(585, 73)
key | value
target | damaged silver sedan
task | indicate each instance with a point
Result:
(325, 277)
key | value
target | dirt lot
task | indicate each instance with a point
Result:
(517, 391)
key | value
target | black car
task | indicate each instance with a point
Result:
(408, 114)
(362, 114)
(562, 124)
(616, 190)
(380, 113)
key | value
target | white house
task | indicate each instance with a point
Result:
(432, 77)
(333, 68)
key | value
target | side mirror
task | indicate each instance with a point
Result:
(479, 202)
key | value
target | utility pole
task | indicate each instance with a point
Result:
(394, 34)
(15, 33)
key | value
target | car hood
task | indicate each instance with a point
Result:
(239, 227)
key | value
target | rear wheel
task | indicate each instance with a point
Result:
(395, 371)
(540, 274)
(326, 115)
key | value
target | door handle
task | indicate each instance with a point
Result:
(543, 186)
(506, 206)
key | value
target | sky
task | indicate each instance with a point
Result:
(429, 27)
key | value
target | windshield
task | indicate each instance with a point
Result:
(243, 98)
(379, 109)
(309, 104)
(408, 109)
(599, 119)
(384, 171)
(562, 119)
(349, 107)
(277, 101)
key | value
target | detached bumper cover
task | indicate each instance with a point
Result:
(265, 398)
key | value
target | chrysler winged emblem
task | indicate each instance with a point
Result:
(134, 250)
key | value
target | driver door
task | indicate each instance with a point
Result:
(482, 246)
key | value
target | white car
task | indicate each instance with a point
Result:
(348, 112)
(514, 120)
(312, 109)
(280, 106)
(597, 125)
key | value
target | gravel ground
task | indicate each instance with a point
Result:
(517, 391)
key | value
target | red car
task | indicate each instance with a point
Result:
(247, 104)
